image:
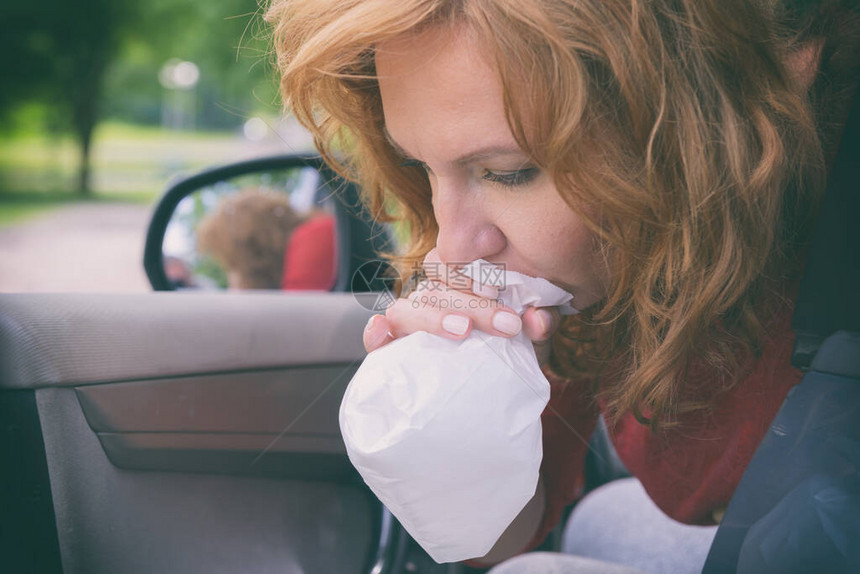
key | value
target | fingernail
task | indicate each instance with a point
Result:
(484, 290)
(507, 323)
(455, 324)
(545, 318)
(371, 339)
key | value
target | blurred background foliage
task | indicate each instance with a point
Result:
(82, 107)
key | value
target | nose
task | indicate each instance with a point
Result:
(467, 227)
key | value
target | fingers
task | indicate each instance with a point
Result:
(377, 333)
(448, 313)
(539, 324)
(428, 307)
(435, 315)
(451, 305)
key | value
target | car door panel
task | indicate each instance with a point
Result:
(271, 423)
(184, 433)
(73, 339)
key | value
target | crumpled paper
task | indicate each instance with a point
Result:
(447, 434)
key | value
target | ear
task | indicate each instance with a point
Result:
(802, 62)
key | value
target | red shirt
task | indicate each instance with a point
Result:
(310, 259)
(689, 470)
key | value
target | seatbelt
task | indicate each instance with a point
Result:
(797, 507)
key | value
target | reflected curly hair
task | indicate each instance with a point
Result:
(247, 234)
(671, 127)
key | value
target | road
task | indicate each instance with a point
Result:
(93, 247)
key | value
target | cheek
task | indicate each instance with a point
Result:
(555, 243)
(562, 248)
(568, 247)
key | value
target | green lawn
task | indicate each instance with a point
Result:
(20, 206)
(129, 163)
(17, 213)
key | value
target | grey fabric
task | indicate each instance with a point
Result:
(69, 339)
(113, 521)
(618, 522)
(551, 563)
(618, 529)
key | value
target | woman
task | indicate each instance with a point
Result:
(247, 236)
(261, 242)
(658, 159)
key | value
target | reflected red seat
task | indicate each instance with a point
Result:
(310, 260)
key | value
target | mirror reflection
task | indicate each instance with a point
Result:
(273, 230)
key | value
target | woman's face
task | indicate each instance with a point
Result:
(443, 109)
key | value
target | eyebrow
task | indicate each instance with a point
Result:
(467, 158)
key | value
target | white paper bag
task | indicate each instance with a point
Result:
(447, 433)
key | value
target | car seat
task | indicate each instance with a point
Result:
(797, 507)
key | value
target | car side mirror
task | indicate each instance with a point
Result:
(284, 223)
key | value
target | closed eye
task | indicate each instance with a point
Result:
(513, 178)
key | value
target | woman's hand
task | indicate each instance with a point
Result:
(448, 304)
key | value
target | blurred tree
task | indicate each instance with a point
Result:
(91, 57)
(58, 51)
(226, 39)
(25, 63)
(88, 36)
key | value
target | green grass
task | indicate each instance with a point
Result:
(20, 213)
(22, 206)
(130, 163)
(18, 207)
(113, 130)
